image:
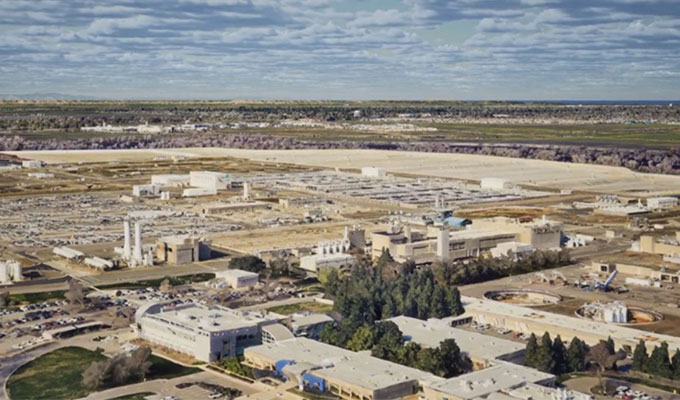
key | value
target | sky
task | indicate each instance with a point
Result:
(351, 49)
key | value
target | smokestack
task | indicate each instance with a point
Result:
(443, 244)
(138, 243)
(407, 233)
(127, 251)
(246, 191)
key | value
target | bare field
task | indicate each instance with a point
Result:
(579, 177)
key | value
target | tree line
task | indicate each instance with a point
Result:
(552, 356)
(484, 269)
(659, 363)
(118, 370)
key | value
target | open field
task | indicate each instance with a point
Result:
(580, 177)
(58, 374)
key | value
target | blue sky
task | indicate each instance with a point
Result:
(326, 49)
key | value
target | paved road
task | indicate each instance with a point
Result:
(584, 385)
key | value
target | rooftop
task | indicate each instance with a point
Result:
(213, 319)
(589, 327)
(501, 376)
(432, 332)
(360, 369)
(235, 273)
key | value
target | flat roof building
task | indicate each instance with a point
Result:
(207, 334)
(182, 249)
(209, 180)
(237, 278)
(344, 373)
(530, 320)
(502, 376)
(481, 349)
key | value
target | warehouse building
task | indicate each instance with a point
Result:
(171, 180)
(662, 203)
(481, 349)
(209, 180)
(238, 279)
(530, 320)
(149, 190)
(663, 246)
(344, 373)
(207, 334)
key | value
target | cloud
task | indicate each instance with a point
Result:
(333, 48)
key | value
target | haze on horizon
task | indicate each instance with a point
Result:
(326, 49)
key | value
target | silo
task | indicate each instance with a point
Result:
(4, 273)
(127, 252)
(443, 244)
(15, 270)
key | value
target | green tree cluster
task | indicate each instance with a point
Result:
(659, 363)
(248, 263)
(386, 341)
(485, 269)
(554, 357)
(365, 296)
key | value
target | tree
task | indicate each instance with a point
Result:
(604, 360)
(430, 360)
(118, 370)
(544, 357)
(165, 286)
(640, 357)
(248, 263)
(455, 304)
(576, 355)
(363, 339)
(531, 352)
(439, 306)
(559, 352)
(675, 365)
(455, 363)
(75, 294)
(330, 277)
(659, 362)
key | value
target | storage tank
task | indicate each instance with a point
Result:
(4, 273)
(15, 271)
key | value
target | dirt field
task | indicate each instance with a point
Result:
(580, 177)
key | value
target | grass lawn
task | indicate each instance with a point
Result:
(32, 298)
(57, 375)
(54, 376)
(307, 306)
(162, 368)
(136, 396)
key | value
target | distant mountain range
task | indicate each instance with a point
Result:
(44, 96)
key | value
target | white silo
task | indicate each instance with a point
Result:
(443, 244)
(4, 273)
(246, 190)
(127, 251)
(15, 271)
(138, 257)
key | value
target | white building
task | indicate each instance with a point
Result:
(507, 248)
(10, 271)
(328, 255)
(146, 190)
(210, 180)
(68, 253)
(98, 263)
(238, 279)
(495, 184)
(661, 203)
(614, 312)
(40, 175)
(196, 192)
(207, 334)
(32, 164)
(171, 180)
(373, 172)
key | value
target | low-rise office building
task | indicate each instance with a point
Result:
(481, 349)
(237, 278)
(146, 190)
(307, 324)
(209, 180)
(502, 376)
(207, 334)
(344, 373)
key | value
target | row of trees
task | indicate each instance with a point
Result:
(119, 370)
(486, 269)
(554, 357)
(644, 160)
(659, 363)
(386, 341)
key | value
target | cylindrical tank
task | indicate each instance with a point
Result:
(4, 273)
(127, 251)
(138, 243)
(15, 271)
